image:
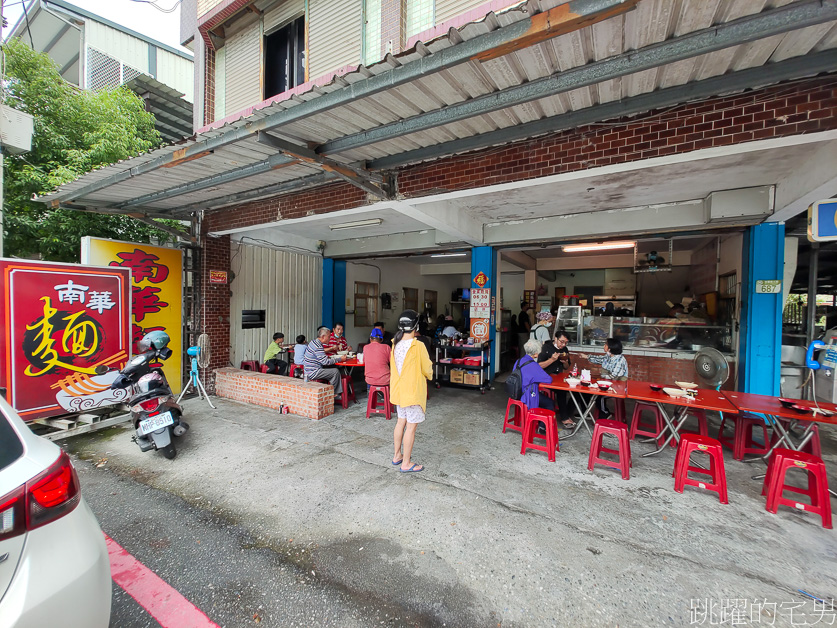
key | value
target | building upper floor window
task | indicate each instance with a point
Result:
(420, 16)
(284, 58)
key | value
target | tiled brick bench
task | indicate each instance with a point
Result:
(309, 399)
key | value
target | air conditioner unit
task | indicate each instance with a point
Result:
(16, 130)
(739, 206)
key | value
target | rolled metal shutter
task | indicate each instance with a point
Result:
(282, 13)
(335, 33)
(243, 69)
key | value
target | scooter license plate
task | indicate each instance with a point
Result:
(155, 423)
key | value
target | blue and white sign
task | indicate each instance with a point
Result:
(822, 221)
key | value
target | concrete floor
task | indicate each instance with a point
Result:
(485, 536)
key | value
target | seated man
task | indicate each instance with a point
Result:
(275, 366)
(376, 360)
(336, 341)
(387, 336)
(318, 365)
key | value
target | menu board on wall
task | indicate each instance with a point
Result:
(531, 298)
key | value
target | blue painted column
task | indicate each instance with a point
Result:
(334, 291)
(761, 314)
(484, 260)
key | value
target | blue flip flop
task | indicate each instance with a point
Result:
(413, 469)
(395, 464)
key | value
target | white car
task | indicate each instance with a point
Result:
(54, 567)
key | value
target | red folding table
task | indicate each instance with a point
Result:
(584, 406)
(706, 399)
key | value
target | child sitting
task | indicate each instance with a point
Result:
(299, 353)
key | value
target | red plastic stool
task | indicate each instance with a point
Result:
(742, 442)
(518, 415)
(689, 444)
(294, 368)
(348, 393)
(372, 402)
(644, 429)
(703, 425)
(264, 368)
(813, 445)
(620, 430)
(547, 417)
(250, 365)
(783, 459)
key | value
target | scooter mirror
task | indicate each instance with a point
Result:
(101, 369)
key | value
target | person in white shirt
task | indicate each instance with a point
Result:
(450, 331)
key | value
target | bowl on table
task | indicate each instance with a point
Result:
(788, 403)
(801, 409)
(603, 384)
(655, 387)
(343, 353)
(686, 385)
(584, 383)
(572, 382)
(675, 392)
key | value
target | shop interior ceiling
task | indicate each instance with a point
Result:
(486, 84)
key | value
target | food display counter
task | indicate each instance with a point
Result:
(655, 334)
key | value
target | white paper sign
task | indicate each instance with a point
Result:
(480, 303)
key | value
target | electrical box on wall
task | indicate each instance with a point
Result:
(731, 206)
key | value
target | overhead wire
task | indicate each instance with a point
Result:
(158, 7)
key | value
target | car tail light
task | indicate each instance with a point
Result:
(52, 494)
(46, 497)
(13, 514)
(150, 405)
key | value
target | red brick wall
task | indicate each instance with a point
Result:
(215, 304)
(308, 399)
(779, 111)
(328, 198)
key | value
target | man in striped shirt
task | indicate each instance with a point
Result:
(318, 365)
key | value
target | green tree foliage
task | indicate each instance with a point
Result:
(75, 131)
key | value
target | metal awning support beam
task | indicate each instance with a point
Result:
(743, 30)
(563, 19)
(295, 185)
(61, 32)
(797, 67)
(520, 259)
(303, 153)
(186, 237)
(456, 224)
(250, 170)
(68, 65)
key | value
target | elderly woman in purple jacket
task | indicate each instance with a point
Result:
(532, 374)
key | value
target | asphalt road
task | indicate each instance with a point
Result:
(236, 579)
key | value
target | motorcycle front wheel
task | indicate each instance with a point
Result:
(169, 451)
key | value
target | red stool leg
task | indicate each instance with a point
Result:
(620, 430)
(533, 418)
(517, 410)
(817, 489)
(691, 443)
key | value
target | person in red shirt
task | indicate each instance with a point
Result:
(336, 341)
(376, 360)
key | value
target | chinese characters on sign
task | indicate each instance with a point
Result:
(60, 322)
(481, 279)
(480, 312)
(156, 292)
(217, 276)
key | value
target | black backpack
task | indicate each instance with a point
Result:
(514, 382)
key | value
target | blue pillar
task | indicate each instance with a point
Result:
(334, 291)
(761, 314)
(484, 260)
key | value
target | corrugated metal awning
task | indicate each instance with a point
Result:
(508, 76)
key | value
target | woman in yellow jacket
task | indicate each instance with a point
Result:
(410, 368)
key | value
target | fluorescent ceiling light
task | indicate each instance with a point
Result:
(598, 246)
(357, 224)
(449, 255)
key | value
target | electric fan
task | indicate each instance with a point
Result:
(200, 354)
